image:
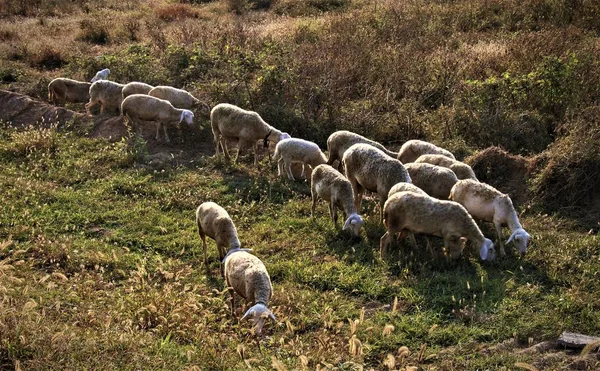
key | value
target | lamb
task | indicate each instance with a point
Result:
(292, 150)
(462, 170)
(101, 75)
(247, 276)
(214, 221)
(340, 141)
(485, 202)
(178, 97)
(405, 187)
(370, 168)
(333, 187)
(62, 90)
(247, 127)
(135, 87)
(412, 149)
(107, 94)
(144, 107)
(436, 181)
(411, 212)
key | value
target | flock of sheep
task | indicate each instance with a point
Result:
(421, 189)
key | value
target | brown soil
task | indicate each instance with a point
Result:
(506, 172)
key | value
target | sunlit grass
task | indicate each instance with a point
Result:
(107, 268)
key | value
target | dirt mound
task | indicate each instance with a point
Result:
(20, 110)
(506, 172)
(569, 179)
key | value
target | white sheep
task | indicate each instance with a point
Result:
(230, 122)
(340, 141)
(405, 187)
(485, 202)
(333, 187)
(412, 149)
(436, 181)
(214, 221)
(136, 87)
(144, 107)
(292, 150)
(407, 212)
(247, 276)
(462, 170)
(107, 94)
(101, 75)
(62, 90)
(179, 98)
(370, 168)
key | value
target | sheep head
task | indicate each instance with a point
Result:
(521, 238)
(353, 223)
(487, 250)
(101, 75)
(188, 116)
(259, 312)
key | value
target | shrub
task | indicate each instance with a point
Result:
(47, 58)
(94, 30)
(171, 12)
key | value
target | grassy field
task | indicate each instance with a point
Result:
(100, 261)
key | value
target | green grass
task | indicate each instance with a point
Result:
(101, 267)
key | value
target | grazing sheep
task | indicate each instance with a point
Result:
(135, 87)
(411, 212)
(214, 221)
(247, 276)
(107, 94)
(340, 141)
(178, 97)
(370, 168)
(405, 187)
(144, 107)
(247, 127)
(101, 75)
(62, 90)
(436, 181)
(292, 150)
(485, 202)
(412, 149)
(333, 187)
(462, 170)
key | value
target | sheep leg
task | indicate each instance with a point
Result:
(357, 191)
(280, 167)
(333, 212)
(500, 242)
(382, 200)
(217, 142)
(88, 107)
(256, 154)
(203, 237)
(230, 289)
(225, 148)
(167, 140)
(313, 193)
(288, 168)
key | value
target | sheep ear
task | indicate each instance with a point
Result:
(512, 237)
(347, 224)
(272, 316)
(249, 312)
(483, 252)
